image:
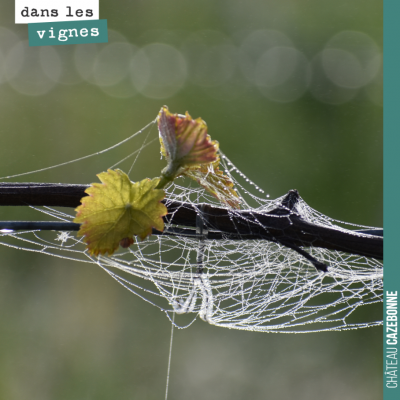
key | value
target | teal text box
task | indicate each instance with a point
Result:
(68, 32)
(391, 195)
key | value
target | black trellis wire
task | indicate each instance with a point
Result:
(282, 225)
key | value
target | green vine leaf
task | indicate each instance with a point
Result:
(117, 209)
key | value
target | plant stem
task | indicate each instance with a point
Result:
(281, 225)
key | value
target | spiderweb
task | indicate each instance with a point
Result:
(254, 285)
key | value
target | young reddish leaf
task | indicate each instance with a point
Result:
(184, 142)
(117, 209)
(214, 181)
(189, 151)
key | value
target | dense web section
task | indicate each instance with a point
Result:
(254, 285)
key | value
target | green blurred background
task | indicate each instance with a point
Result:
(291, 90)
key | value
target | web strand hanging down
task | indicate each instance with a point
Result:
(233, 281)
